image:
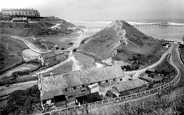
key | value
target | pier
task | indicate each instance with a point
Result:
(135, 25)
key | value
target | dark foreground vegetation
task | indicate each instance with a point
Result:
(167, 102)
(7, 80)
(181, 50)
(22, 102)
(140, 61)
(160, 105)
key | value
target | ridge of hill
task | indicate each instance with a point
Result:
(122, 42)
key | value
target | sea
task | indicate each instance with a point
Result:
(173, 31)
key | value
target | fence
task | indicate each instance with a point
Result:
(121, 99)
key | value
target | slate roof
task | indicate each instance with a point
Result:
(52, 86)
(129, 85)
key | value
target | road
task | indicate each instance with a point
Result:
(31, 45)
(174, 60)
(177, 63)
(173, 50)
(20, 86)
(136, 73)
(70, 57)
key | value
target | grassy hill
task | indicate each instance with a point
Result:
(37, 29)
(10, 52)
(132, 46)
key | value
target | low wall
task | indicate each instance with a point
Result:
(121, 99)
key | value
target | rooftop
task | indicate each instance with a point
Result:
(57, 83)
(52, 53)
(18, 9)
(19, 18)
(130, 85)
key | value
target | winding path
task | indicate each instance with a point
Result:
(20, 86)
(174, 60)
(172, 50)
(136, 73)
(31, 45)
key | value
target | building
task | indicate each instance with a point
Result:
(20, 20)
(52, 57)
(129, 85)
(75, 84)
(20, 12)
(56, 27)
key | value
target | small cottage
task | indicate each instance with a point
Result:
(20, 20)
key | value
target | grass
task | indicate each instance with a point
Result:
(30, 29)
(140, 46)
(22, 102)
(61, 40)
(170, 101)
(181, 50)
(44, 44)
(10, 52)
(65, 68)
(86, 62)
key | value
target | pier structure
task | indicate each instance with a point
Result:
(135, 25)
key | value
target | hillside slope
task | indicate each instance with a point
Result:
(10, 52)
(121, 41)
(37, 29)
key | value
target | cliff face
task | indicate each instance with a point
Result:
(120, 41)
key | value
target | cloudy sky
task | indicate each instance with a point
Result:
(103, 9)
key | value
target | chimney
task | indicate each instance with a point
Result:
(51, 75)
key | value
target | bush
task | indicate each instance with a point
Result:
(21, 101)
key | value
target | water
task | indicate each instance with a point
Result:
(164, 32)
(174, 30)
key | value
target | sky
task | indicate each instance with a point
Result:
(103, 9)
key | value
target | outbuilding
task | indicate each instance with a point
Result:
(20, 20)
